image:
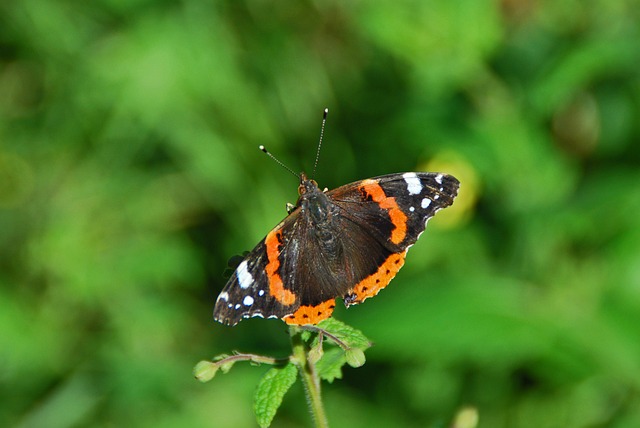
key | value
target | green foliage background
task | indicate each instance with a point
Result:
(129, 174)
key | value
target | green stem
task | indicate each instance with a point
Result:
(254, 358)
(310, 378)
(323, 332)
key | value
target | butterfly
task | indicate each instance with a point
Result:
(346, 243)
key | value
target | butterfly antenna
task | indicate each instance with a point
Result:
(324, 120)
(264, 149)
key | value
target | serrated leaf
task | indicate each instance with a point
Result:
(330, 365)
(349, 335)
(271, 389)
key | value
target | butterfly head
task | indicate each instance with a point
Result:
(307, 185)
(314, 202)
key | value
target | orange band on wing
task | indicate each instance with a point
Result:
(371, 285)
(276, 287)
(398, 218)
(311, 314)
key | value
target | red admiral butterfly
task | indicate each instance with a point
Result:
(344, 243)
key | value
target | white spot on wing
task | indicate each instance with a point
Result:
(439, 179)
(412, 209)
(248, 301)
(244, 277)
(223, 296)
(425, 203)
(237, 306)
(261, 293)
(414, 187)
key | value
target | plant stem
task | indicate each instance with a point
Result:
(309, 376)
(254, 358)
(323, 332)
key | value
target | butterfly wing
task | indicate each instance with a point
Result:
(255, 289)
(324, 262)
(391, 211)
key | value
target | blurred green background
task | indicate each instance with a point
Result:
(129, 174)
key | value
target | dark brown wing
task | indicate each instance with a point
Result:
(391, 211)
(249, 292)
(289, 275)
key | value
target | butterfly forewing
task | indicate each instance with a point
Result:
(414, 195)
(247, 292)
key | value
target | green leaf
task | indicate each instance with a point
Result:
(271, 389)
(307, 335)
(330, 365)
(349, 335)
